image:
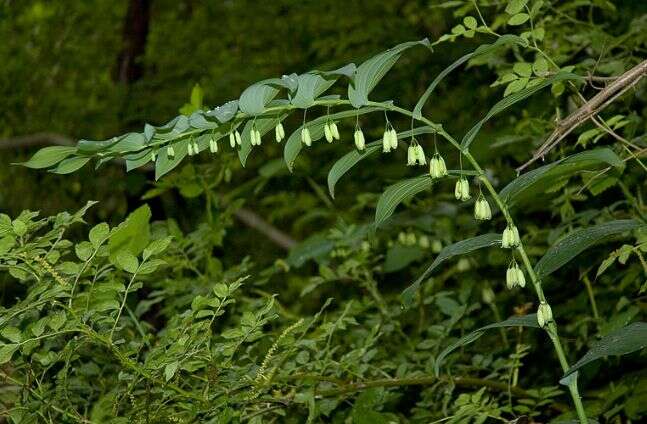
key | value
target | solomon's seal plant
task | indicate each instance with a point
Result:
(225, 375)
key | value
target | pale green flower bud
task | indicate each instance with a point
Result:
(411, 155)
(394, 139)
(544, 314)
(487, 295)
(510, 238)
(213, 146)
(437, 168)
(386, 141)
(170, 152)
(334, 131)
(463, 265)
(420, 155)
(482, 211)
(189, 149)
(511, 279)
(279, 132)
(239, 139)
(257, 135)
(360, 142)
(462, 190)
(436, 246)
(402, 238)
(153, 156)
(521, 278)
(328, 132)
(196, 147)
(232, 140)
(305, 137)
(465, 186)
(423, 241)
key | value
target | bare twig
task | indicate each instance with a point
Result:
(589, 109)
(244, 215)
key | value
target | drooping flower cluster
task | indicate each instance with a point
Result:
(514, 276)
(331, 132)
(462, 190)
(416, 154)
(510, 238)
(482, 211)
(213, 145)
(235, 139)
(437, 167)
(255, 136)
(389, 139)
(360, 141)
(305, 137)
(279, 132)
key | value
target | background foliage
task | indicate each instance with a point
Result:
(214, 322)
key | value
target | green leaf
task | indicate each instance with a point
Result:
(311, 248)
(527, 186)
(132, 235)
(459, 248)
(619, 342)
(255, 97)
(352, 158)
(127, 261)
(225, 112)
(310, 87)
(397, 193)
(470, 22)
(578, 241)
(369, 73)
(518, 19)
(515, 6)
(170, 370)
(293, 145)
(524, 321)
(6, 352)
(69, 165)
(98, 234)
(523, 69)
(512, 99)
(156, 247)
(48, 156)
(480, 51)
(12, 334)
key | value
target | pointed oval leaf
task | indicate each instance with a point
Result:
(69, 165)
(310, 86)
(224, 113)
(578, 241)
(623, 341)
(397, 193)
(369, 73)
(524, 321)
(459, 248)
(514, 98)
(49, 156)
(255, 97)
(528, 185)
(165, 163)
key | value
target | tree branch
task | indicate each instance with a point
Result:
(589, 109)
(244, 215)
